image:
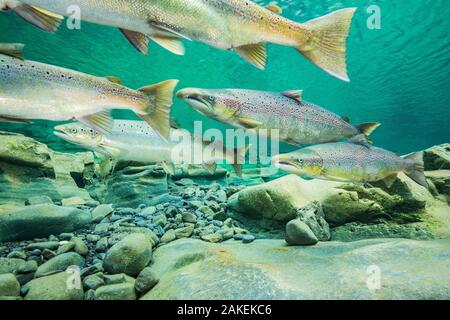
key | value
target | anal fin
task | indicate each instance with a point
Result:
(168, 167)
(210, 167)
(256, 54)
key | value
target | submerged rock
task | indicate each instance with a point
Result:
(29, 168)
(59, 286)
(131, 186)
(40, 221)
(119, 291)
(268, 269)
(298, 233)
(129, 256)
(9, 286)
(437, 157)
(277, 200)
(60, 263)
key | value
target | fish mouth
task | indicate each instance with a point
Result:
(284, 164)
(193, 97)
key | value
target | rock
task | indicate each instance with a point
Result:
(17, 255)
(164, 198)
(149, 211)
(101, 212)
(277, 199)
(79, 246)
(118, 278)
(120, 291)
(312, 214)
(131, 186)
(65, 247)
(73, 202)
(146, 280)
(93, 281)
(168, 236)
(189, 217)
(212, 237)
(59, 286)
(437, 157)
(49, 245)
(60, 263)
(160, 220)
(9, 286)
(268, 269)
(101, 245)
(184, 232)
(40, 221)
(357, 231)
(95, 268)
(38, 200)
(441, 180)
(129, 256)
(16, 266)
(29, 168)
(298, 233)
(247, 238)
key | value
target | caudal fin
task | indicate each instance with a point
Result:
(327, 43)
(417, 171)
(157, 112)
(239, 159)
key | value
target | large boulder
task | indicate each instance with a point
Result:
(130, 186)
(29, 168)
(275, 200)
(59, 286)
(437, 157)
(130, 255)
(40, 221)
(268, 269)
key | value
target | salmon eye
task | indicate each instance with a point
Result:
(211, 98)
(74, 130)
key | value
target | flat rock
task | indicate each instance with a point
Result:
(9, 286)
(269, 269)
(60, 263)
(40, 221)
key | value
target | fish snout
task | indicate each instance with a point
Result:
(188, 93)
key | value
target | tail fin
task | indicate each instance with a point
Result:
(367, 128)
(327, 43)
(239, 159)
(157, 112)
(417, 172)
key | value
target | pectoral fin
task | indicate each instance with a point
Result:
(168, 167)
(111, 151)
(172, 44)
(12, 49)
(389, 180)
(254, 53)
(165, 30)
(248, 123)
(101, 120)
(43, 19)
(137, 39)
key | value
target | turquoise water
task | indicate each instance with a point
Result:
(400, 73)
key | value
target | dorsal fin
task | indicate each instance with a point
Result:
(346, 119)
(12, 49)
(114, 79)
(274, 8)
(293, 94)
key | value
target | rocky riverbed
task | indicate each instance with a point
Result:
(69, 230)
